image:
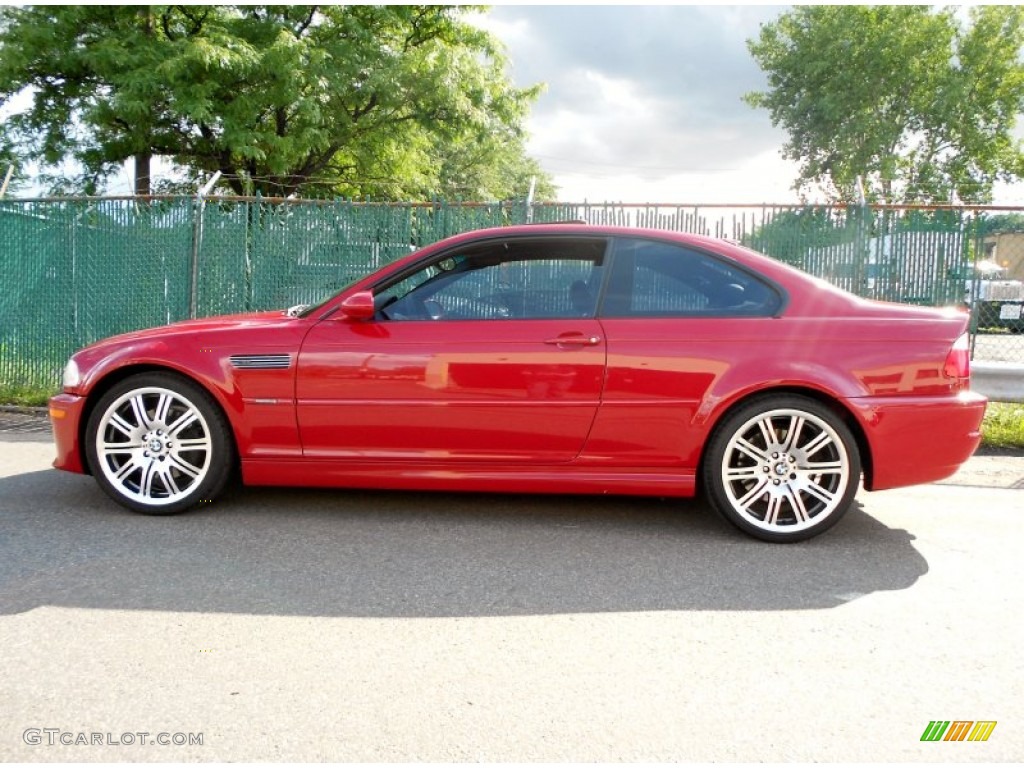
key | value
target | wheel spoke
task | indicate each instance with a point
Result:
(118, 423)
(185, 420)
(167, 478)
(771, 517)
(139, 411)
(752, 495)
(146, 484)
(751, 450)
(767, 432)
(816, 444)
(192, 444)
(183, 466)
(797, 504)
(110, 449)
(123, 472)
(820, 492)
(734, 474)
(796, 424)
(163, 405)
(824, 467)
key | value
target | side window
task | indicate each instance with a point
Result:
(656, 279)
(521, 279)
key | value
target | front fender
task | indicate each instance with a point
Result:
(259, 403)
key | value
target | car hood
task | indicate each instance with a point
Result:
(206, 325)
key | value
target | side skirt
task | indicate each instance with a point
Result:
(480, 479)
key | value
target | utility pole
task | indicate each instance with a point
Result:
(529, 200)
(7, 180)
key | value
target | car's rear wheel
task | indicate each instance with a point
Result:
(158, 444)
(782, 468)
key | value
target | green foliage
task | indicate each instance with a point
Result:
(907, 98)
(1005, 222)
(1003, 426)
(25, 394)
(316, 100)
(790, 233)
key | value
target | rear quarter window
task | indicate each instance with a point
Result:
(657, 279)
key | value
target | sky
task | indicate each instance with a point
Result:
(644, 103)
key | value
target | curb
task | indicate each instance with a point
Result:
(27, 410)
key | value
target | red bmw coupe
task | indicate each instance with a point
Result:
(551, 359)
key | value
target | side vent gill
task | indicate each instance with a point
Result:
(261, 362)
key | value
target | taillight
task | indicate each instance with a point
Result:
(958, 361)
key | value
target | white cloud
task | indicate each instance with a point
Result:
(765, 178)
(644, 103)
(640, 99)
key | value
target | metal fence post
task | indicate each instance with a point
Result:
(253, 216)
(974, 293)
(197, 237)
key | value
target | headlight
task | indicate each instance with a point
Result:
(72, 377)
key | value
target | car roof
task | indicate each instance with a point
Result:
(729, 248)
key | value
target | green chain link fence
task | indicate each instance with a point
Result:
(77, 270)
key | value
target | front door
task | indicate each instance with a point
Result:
(489, 354)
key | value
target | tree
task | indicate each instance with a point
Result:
(999, 223)
(790, 233)
(908, 99)
(465, 167)
(312, 100)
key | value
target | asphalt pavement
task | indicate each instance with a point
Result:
(310, 625)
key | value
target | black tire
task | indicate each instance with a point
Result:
(782, 468)
(166, 445)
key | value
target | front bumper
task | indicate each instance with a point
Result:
(65, 417)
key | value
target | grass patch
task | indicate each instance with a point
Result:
(22, 394)
(1003, 426)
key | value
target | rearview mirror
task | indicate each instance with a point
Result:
(359, 306)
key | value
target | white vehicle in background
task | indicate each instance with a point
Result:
(996, 300)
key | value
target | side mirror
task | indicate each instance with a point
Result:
(359, 306)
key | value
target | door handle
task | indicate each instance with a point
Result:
(577, 340)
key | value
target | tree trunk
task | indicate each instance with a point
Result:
(142, 178)
(144, 159)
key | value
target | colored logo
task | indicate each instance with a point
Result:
(958, 730)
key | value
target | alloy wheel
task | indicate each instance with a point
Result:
(154, 446)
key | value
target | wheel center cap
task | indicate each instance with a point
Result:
(155, 445)
(781, 469)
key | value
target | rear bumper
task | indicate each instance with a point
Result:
(65, 416)
(916, 440)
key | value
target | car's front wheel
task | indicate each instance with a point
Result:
(158, 444)
(782, 468)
